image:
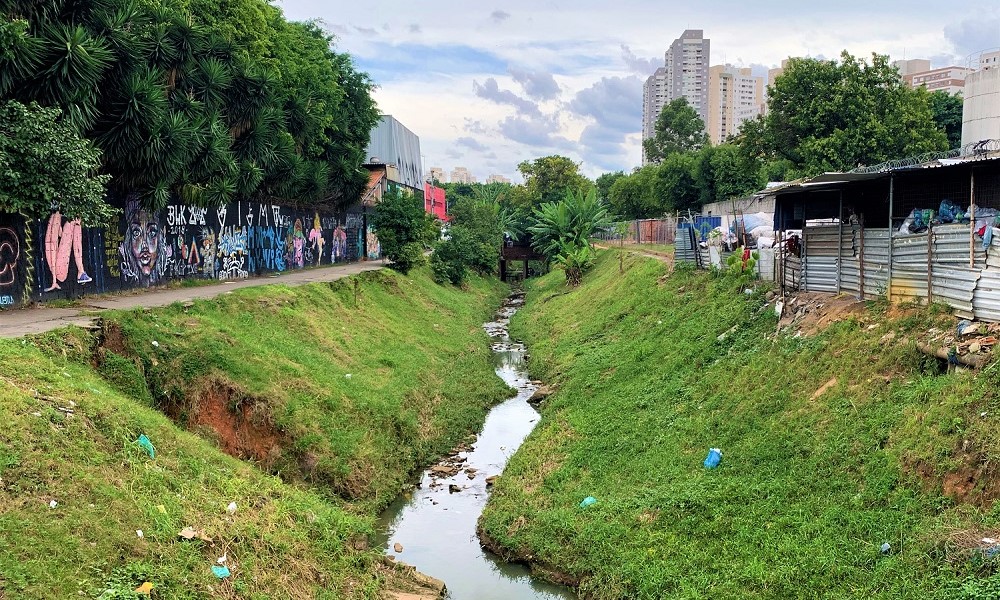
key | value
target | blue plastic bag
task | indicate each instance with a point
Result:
(588, 501)
(713, 458)
(220, 572)
(147, 445)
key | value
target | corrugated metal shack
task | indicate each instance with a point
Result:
(858, 234)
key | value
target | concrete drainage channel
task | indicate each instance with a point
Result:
(433, 528)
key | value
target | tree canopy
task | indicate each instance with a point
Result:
(547, 179)
(678, 128)
(44, 163)
(826, 115)
(203, 99)
(947, 111)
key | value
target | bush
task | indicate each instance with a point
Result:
(403, 229)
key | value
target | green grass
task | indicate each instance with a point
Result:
(808, 489)
(362, 391)
(421, 379)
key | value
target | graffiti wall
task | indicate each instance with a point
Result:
(58, 258)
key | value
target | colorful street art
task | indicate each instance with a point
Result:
(372, 245)
(144, 251)
(64, 242)
(142, 248)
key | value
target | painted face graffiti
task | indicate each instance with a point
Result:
(144, 249)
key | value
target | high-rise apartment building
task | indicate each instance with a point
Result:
(462, 175)
(436, 174)
(684, 74)
(495, 178)
(734, 97)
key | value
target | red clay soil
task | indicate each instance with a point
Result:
(242, 429)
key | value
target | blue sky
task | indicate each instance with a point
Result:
(486, 86)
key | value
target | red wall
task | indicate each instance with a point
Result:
(434, 201)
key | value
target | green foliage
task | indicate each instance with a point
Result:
(947, 111)
(404, 229)
(568, 223)
(549, 178)
(44, 163)
(475, 235)
(423, 379)
(676, 183)
(206, 99)
(724, 173)
(575, 260)
(635, 196)
(809, 486)
(825, 115)
(678, 129)
(605, 182)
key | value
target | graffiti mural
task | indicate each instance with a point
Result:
(63, 243)
(10, 265)
(59, 258)
(372, 246)
(144, 251)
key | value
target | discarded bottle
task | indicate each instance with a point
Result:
(713, 458)
(588, 501)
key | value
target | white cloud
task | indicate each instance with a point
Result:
(556, 78)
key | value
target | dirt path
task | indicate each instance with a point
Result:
(40, 318)
(634, 249)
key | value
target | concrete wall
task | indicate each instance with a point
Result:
(981, 110)
(55, 258)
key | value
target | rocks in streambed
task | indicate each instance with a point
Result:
(397, 547)
(454, 489)
(541, 393)
(491, 480)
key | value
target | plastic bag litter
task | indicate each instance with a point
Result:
(147, 445)
(221, 571)
(588, 501)
(713, 459)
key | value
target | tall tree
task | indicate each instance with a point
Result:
(825, 115)
(676, 183)
(634, 196)
(678, 128)
(547, 179)
(947, 110)
(45, 164)
(604, 184)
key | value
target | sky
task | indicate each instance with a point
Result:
(488, 85)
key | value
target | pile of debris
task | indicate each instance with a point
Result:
(969, 344)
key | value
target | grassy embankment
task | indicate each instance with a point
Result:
(811, 484)
(262, 373)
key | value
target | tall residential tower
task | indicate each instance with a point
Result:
(684, 74)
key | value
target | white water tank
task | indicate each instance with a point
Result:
(981, 109)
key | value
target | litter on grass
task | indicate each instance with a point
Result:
(588, 501)
(147, 445)
(220, 571)
(713, 459)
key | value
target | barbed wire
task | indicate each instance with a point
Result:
(972, 151)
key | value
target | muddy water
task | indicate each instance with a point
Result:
(437, 527)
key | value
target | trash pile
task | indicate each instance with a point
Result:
(948, 212)
(968, 343)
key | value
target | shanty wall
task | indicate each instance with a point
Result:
(958, 270)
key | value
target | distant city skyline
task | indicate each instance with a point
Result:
(503, 84)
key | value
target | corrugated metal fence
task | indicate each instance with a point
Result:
(955, 266)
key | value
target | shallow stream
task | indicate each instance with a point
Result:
(436, 523)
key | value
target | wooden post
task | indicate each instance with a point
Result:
(930, 263)
(972, 218)
(888, 281)
(861, 254)
(840, 239)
